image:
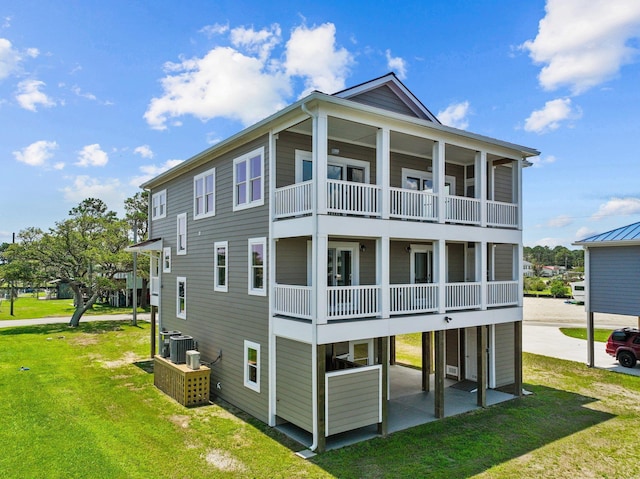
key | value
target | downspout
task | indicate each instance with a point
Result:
(314, 259)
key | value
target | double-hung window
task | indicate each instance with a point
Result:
(166, 259)
(257, 262)
(248, 180)
(181, 236)
(181, 297)
(204, 194)
(221, 271)
(252, 365)
(159, 205)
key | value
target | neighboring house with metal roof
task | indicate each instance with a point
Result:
(295, 251)
(612, 275)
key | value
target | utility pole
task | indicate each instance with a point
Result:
(134, 288)
(11, 285)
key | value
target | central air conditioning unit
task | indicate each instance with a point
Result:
(193, 359)
(165, 335)
(178, 347)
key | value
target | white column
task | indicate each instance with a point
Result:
(438, 177)
(483, 272)
(518, 193)
(383, 175)
(320, 251)
(320, 152)
(518, 273)
(382, 274)
(440, 254)
(481, 184)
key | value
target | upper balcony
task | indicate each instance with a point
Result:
(335, 166)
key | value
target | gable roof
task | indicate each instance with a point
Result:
(388, 87)
(626, 235)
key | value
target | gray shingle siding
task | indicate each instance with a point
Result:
(614, 280)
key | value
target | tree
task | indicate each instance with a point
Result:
(137, 214)
(85, 251)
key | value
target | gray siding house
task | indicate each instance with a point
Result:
(612, 276)
(296, 250)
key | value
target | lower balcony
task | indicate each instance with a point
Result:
(350, 302)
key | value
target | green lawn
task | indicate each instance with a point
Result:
(85, 409)
(29, 307)
(599, 335)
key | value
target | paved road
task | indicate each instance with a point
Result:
(541, 334)
(10, 323)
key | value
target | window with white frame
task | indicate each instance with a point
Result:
(221, 271)
(361, 352)
(423, 181)
(248, 180)
(159, 205)
(181, 234)
(257, 259)
(181, 297)
(166, 259)
(204, 195)
(252, 365)
(338, 168)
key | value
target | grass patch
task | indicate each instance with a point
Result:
(87, 407)
(29, 307)
(599, 335)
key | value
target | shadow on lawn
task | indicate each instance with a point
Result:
(88, 327)
(471, 443)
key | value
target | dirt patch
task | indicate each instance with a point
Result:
(224, 461)
(180, 420)
(128, 358)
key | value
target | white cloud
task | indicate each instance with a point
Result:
(455, 115)
(584, 43)
(33, 52)
(38, 154)
(89, 96)
(584, 232)
(397, 64)
(551, 242)
(216, 29)
(559, 221)
(539, 162)
(550, 116)
(92, 155)
(9, 58)
(247, 80)
(312, 54)
(151, 171)
(618, 207)
(29, 95)
(110, 191)
(144, 151)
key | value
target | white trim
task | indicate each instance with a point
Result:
(203, 177)
(428, 175)
(420, 248)
(166, 259)
(247, 382)
(251, 289)
(161, 196)
(303, 155)
(259, 152)
(218, 287)
(182, 314)
(180, 247)
(369, 343)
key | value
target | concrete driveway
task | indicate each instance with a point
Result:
(543, 318)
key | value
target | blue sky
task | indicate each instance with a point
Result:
(96, 96)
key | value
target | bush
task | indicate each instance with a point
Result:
(558, 289)
(534, 284)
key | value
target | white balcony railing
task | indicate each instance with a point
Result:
(353, 198)
(502, 293)
(462, 296)
(294, 200)
(413, 205)
(413, 298)
(502, 214)
(345, 302)
(290, 300)
(459, 209)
